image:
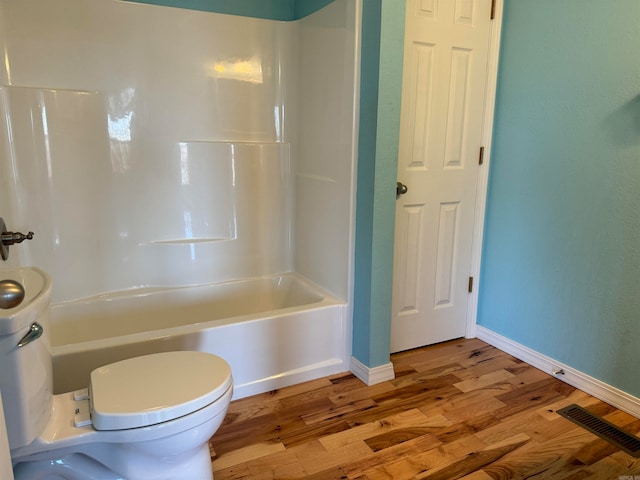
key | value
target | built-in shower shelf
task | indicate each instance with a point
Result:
(188, 241)
(50, 89)
(248, 143)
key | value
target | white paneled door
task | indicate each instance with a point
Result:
(443, 93)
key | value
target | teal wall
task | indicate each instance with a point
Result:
(271, 9)
(562, 238)
(380, 90)
(302, 8)
(364, 307)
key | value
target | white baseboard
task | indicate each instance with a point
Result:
(372, 376)
(582, 381)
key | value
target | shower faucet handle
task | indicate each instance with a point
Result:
(11, 238)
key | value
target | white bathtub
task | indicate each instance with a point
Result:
(273, 331)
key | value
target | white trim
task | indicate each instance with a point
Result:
(584, 382)
(372, 376)
(483, 174)
(292, 377)
(348, 312)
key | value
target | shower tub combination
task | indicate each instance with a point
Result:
(273, 331)
(171, 174)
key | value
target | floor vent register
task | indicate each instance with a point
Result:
(603, 429)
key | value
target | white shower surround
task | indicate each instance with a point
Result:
(123, 124)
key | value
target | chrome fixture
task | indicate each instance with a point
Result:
(11, 294)
(401, 189)
(34, 333)
(10, 238)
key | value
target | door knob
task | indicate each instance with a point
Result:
(401, 189)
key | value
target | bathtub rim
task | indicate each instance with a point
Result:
(147, 290)
(160, 334)
(327, 301)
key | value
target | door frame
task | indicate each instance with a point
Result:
(483, 173)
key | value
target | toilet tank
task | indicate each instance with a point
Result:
(26, 378)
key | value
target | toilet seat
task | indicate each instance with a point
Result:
(155, 388)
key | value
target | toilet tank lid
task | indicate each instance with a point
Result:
(155, 388)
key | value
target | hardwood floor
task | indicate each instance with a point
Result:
(461, 409)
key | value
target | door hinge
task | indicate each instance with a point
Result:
(470, 284)
(493, 9)
(481, 156)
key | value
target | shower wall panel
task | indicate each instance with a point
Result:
(165, 72)
(59, 158)
(324, 167)
(144, 145)
(196, 212)
(150, 145)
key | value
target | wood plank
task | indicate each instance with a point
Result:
(337, 411)
(463, 407)
(317, 460)
(361, 393)
(476, 460)
(253, 430)
(530, 396)
(439, 354)
(419, 376)
(476, 367)
(408, 418)
(284, 464)
(420, 464)
(542, 458)
(403, 450)
(297, 436)
(469, 427)
(235, 472)
(477, 475)
(478, 382)
(242, 455)
(396, 437)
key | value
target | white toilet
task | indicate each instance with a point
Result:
(148, 417)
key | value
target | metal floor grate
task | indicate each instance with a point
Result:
(603, 429)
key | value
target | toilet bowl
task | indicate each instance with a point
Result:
(148, 417)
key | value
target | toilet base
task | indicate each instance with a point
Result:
(77, 466)
(173, 450)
